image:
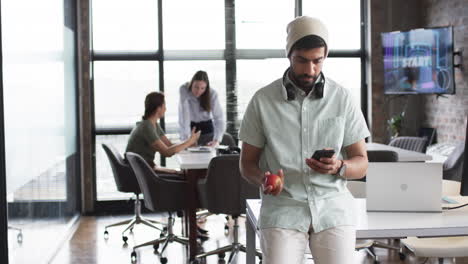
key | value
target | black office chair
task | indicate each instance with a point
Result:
(229, 141)
(224, 191)
(161, 194)
(418, 144)
(429, 133)
(126, 182)
(369, 245)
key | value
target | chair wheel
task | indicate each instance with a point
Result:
(163, 260)
(222, 255)
(226, 229)
(155, 247)
(125, 238)
(133, 257)
(402, 256)
(106, 235)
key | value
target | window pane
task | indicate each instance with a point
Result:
(120, 88)
(342, 19)
(39, 118)
(124, 25)
(261, 24)
(346, 72)
(193, 24)
(250, 78)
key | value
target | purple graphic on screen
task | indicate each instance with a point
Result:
(418, 61)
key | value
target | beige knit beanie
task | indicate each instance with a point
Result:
(303, 26)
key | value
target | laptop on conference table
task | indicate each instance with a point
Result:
(404, 187)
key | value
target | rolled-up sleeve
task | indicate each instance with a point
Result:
(355, 124)
(251, 129)
(184, 114)
(219, 122)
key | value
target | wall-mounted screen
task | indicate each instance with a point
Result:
(418, 61)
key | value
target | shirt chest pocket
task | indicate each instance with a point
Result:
(331, 132)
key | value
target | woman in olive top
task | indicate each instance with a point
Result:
(199, 108)
(147, 137)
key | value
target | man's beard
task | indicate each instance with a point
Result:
(304, 81)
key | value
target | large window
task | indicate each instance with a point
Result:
(343, 19)
(347, 72)
(261, 24)
(255, 74)
(124, 25)
(193, 25)
(120, 88)
(136, 52)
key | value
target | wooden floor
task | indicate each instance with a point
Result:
(88, 245)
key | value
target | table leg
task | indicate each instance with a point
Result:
(193, 204)
(250, 241)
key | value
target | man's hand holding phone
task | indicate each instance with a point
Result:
(273, 183)
(324, 161)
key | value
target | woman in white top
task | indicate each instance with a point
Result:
(199, 107)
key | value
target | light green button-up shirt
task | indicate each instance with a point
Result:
(289, 132)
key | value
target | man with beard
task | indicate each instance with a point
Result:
(285, 122)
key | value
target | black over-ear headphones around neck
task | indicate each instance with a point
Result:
(318, 87)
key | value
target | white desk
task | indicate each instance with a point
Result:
(195, 160)
(403, 154)
(375, 225)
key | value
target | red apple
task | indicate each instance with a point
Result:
(274, 181)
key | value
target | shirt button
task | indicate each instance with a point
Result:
(305, 129)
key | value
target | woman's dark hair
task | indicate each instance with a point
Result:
(152, 101)
(309, 42)
(205, 101)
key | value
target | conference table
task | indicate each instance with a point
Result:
(383, 225)
(195, 165)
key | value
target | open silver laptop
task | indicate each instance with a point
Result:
(404, 186)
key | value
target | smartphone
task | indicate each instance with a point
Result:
(323, 153)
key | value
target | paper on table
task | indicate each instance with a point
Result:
(199, 149)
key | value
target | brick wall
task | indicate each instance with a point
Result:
(447, 114)
(387, 16)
